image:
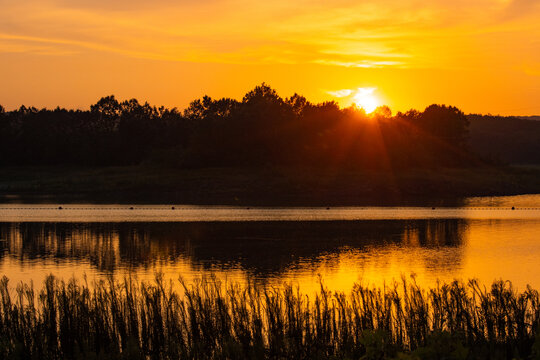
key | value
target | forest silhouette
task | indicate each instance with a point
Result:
(263, 129)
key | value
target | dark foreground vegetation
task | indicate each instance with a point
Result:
(209, 320)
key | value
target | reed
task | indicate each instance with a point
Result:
(208, 319)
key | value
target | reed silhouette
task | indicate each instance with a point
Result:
(212, 320)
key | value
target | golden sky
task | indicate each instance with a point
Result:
(479, 55)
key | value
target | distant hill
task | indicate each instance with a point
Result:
(535, 117)
(514, 140)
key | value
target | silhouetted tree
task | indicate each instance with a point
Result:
(383, 111)
(262, 129)
(298, 103)
(108, 111)
(447, 123)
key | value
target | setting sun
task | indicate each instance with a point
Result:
(365, 99)
(362, 97)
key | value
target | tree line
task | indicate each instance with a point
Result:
(262, 129)
(505, 139)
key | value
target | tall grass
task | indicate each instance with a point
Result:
(212, 320)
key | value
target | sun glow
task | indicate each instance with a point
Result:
(365, 99)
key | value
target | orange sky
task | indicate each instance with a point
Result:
(479, 55)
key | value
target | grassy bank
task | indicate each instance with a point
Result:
(261, 186)
(130, 320)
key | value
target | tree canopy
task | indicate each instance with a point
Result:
(260, 130)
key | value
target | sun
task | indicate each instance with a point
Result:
(364, 98)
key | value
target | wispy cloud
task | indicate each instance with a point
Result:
(519, 8)
(360, 64)
(369, 34)
(353, 93)
(340, 93)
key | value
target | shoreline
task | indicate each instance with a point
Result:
(262, 186)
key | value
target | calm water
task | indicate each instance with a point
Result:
(483, 239)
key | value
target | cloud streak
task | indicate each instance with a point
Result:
(354, 93)
(365, 64)
(519, 8)
(367, 35)
(340, 93)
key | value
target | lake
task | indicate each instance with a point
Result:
(485, 238)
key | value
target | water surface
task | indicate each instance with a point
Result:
(484, 239)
